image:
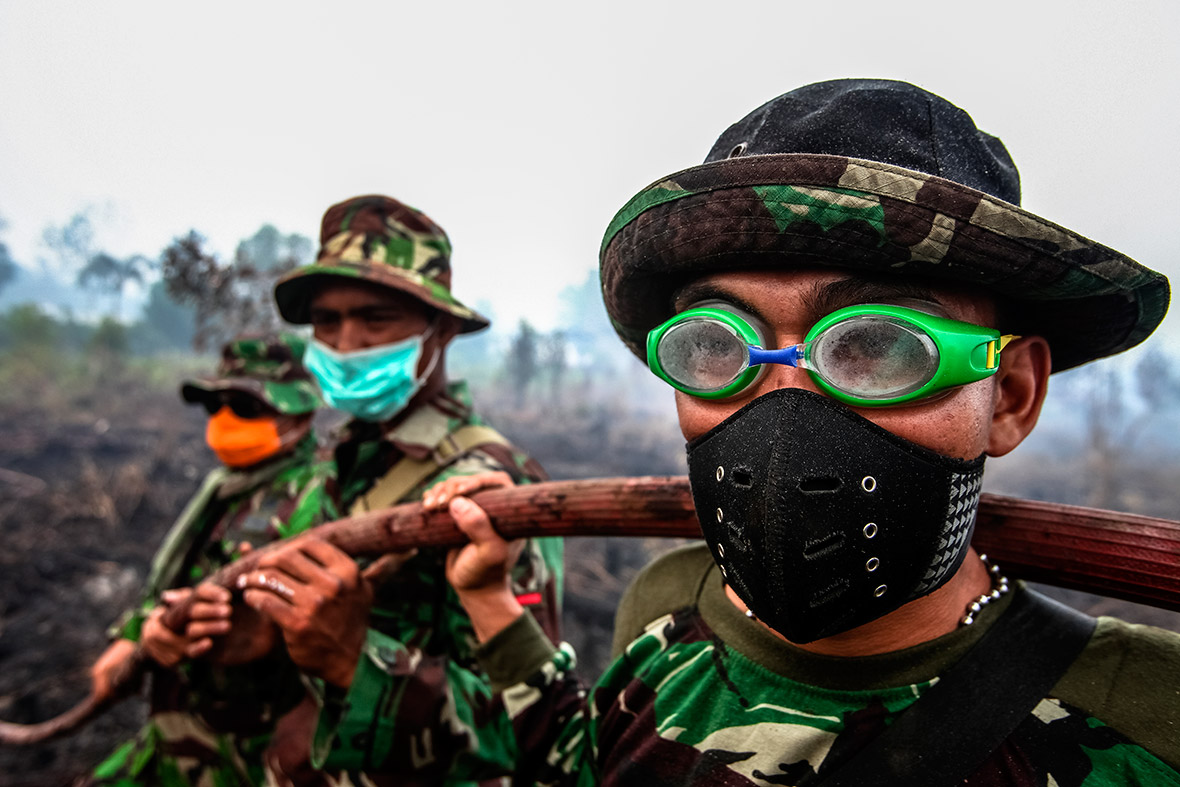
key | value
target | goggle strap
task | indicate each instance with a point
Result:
(788, 356)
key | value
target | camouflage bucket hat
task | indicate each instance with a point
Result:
(878, 177)
(380, 240)
(268, 367)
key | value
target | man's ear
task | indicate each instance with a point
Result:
(448, 328)
(1021, 384)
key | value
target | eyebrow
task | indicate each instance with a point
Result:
(818, 300)
(823, 299)
(707, 291)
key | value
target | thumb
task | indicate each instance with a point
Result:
(473, 521)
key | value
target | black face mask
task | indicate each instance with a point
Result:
(820, 520)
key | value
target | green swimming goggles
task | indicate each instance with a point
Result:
(871, 355)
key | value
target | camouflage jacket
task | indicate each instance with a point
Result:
(699, 694)
(209, 723)
(273, 501)
(420, 710)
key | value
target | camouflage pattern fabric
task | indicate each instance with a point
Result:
(209, 725)
(703, 696)
(420, 711)
(383, 241)
(797, 210)
(268, 367)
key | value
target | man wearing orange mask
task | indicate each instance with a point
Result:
(219, 685)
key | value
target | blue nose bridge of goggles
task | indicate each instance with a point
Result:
(787, 356)
(869, 355)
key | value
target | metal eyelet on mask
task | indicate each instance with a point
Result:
(870, 530)
(720, 515)
(721, 550)
(723, 571)
(880, 591)
(738, 150)
(868, 483)
(872, 564)
(720, 472)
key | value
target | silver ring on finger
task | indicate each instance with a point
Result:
(279, 588)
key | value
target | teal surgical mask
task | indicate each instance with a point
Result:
(373, 384)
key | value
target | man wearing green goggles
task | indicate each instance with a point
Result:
(872, 355)
(831, 295)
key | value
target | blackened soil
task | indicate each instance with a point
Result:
(85, 498)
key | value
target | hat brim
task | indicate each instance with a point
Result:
(293, 292)
(799, 210)
(298, 397)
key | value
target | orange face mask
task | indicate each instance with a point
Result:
(241, 442)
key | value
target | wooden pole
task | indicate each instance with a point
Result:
(1125, 556)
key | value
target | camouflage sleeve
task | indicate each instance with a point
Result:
(312, 505)
(407, 712)
(556, 722)
(129, 625)
(433, 715)
(548, 707)
(428, 709)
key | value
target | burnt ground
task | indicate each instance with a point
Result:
(89, 485)
(85, 498)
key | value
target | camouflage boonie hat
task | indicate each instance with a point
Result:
(268, 367)
(380, 240)
(883, 178)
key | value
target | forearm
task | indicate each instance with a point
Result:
(491, 610)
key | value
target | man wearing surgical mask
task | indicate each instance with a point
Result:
(379, 301)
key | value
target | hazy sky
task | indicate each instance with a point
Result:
(522, 127)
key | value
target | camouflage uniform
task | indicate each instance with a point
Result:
(700, 694)
(209, 724)
(418, 703)
(419, 710)
(882, 180)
